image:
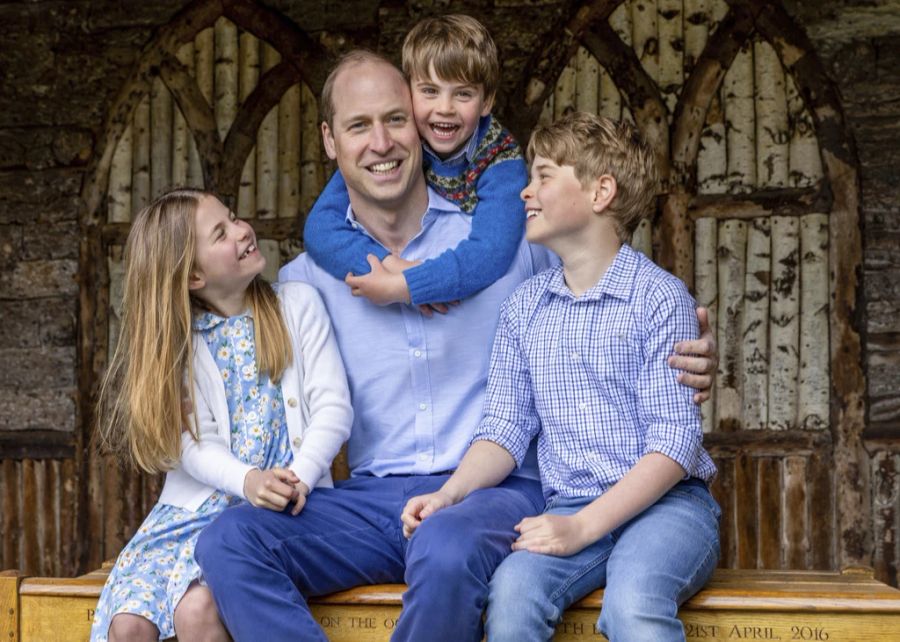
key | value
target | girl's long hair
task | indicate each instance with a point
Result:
(141, 408)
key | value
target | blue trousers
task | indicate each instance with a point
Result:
(262, 565)
(649, 566)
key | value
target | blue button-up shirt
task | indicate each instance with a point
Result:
(588, 374)
(417, 384)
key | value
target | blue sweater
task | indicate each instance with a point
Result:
(488, 180)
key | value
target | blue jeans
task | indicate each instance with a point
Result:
(262, 565)
(649, 566)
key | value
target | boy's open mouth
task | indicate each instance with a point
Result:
(444, 130)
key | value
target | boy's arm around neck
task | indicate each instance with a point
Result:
(334, 244)
(498, 224)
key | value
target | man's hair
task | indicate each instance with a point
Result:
(460, 48)
(355, 57)
(596, 145)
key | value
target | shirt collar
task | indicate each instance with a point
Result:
(616, 282)
(206, 320)
(436, 204)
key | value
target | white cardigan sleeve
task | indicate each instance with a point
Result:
(209, 460)
(324, 386)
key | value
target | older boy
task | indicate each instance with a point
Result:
(579, 362)
(453, 70)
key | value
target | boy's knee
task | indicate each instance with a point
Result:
(637, 612)
(518, 606)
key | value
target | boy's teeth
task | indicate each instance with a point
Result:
(385, 167)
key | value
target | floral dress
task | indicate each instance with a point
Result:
(157, 566)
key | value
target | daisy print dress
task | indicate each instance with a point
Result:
(157, 566)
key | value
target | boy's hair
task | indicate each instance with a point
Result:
(354, 57)
(596, 145)
(460, 48)
(141, 409)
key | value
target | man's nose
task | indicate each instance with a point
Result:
(381, 140)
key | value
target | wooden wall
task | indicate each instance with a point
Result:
(798, 487)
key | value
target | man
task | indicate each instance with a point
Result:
(417, 386)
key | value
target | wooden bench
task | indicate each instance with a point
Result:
(736, 605)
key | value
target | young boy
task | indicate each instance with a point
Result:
(452, 66)
(579, 361)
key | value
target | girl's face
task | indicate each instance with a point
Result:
(226, 258)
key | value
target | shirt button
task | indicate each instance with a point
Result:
(574, 356)
(297, 441)
(423, 406)
(292, 402)
(417, 353)
(423, 456)
(583, 405)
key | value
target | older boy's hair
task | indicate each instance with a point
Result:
(460, 48)
(596, 145)
(354, 57)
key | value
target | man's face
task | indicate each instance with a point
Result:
(373, 136)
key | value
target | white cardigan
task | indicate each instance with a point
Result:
(316, 405)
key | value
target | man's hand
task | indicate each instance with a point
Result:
(420, 507)
(272, 489)
(560, 535)
(697, 359)
(302, 491)
(379, 286)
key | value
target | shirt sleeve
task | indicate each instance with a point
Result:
(497, 227)
(334, 244)
(509, 418)
(665, 406)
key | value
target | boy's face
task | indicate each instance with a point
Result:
(447, 112)
(558, 208)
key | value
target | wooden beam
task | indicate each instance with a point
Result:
(37, 444)
(277, 229)
(762, 203)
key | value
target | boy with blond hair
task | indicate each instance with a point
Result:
(452, 66)
(579, 362)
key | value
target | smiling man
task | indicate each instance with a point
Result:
(417, 386)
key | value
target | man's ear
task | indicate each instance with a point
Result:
(328, 141)
(604, 191)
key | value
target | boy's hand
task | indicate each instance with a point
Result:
(396, 264)
(379, 286)
(560, 535)
(697, 359)
(428, 309)
(271, 489)
(420, 507)
(301, 490)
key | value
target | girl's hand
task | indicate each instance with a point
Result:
(301, 490)
(271, 489)
(420, 507)
(560, 535)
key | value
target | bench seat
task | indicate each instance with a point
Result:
(736, 605)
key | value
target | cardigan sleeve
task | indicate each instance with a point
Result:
(497, 227)
(324, 386)
(209, 459)
(335, 245)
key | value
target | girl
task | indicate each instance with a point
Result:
(269, 395)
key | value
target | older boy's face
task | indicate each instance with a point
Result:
(558, 208)
(373, 137)
(447, 112)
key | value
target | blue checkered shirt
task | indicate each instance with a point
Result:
(588, 376)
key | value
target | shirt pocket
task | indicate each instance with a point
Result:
(617, 362)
